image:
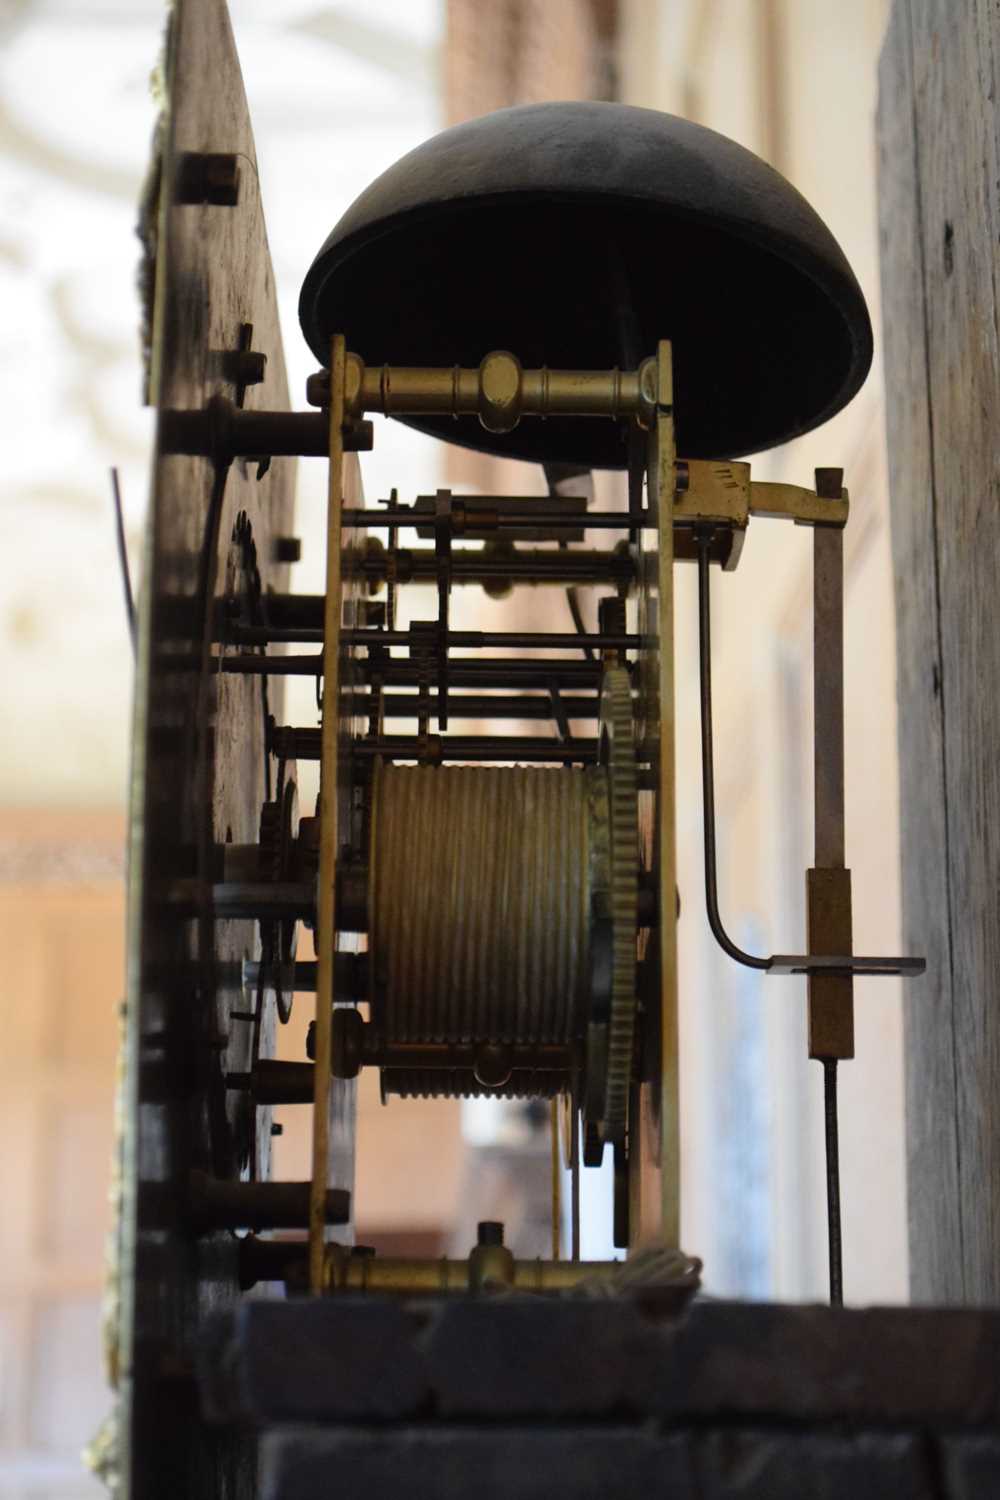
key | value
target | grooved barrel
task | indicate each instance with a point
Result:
(480, 881)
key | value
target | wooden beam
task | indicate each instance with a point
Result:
(940, 222)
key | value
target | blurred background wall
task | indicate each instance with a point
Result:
(337, 92)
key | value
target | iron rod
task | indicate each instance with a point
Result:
(476, 567)
(519, 640)
(481, 747)
(555, 1178)
(303, 744)
(254, 665)
(130, 611)
(535, 516)
(539, 673)
(574, 1166)
(833, 1181)
(704, 541)
(465, 706)
(217, 1203)
(223, 431)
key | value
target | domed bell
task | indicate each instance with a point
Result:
(576, 235)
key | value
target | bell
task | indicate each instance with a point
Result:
(576, 235)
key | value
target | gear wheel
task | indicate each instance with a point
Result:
(278, 828)
(618, 754)
(271, 840)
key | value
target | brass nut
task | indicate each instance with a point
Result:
(500, 392)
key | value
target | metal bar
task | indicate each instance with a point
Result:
(275, 1081)
(259, 901)
(325, 895)
(279, 433)
(559, 712)
(234, 900)
(451, 747)
(501, 747)
(574, 1167)
(116, 495)
(576, 615)
(804, 507)
(538, 517)
(468, 507)
(442, 554)
(251, 664)
(518, 640)
(499, 391)
(556, 1177)
(663, 476)
(538, 673)
(280, 1260)
(833, 1181)
(221, 1203)
(222, 431)
(389, 1276)
(498, 673)
(845, 963)
(831, 996)
(828, 695)
(704, 542)
(465, 706)
(475, 567)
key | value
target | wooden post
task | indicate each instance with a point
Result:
(939, 184)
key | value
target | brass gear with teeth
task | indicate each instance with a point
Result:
(279, 821)
(618, 753)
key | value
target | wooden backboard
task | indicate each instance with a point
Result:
(199, 771)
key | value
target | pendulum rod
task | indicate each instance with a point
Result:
(828, 884)
(556, 1169)
(574, 1165)
(832, 1137)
